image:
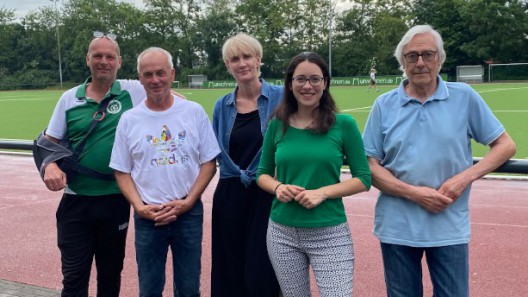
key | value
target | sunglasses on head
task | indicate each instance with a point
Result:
(99, 34)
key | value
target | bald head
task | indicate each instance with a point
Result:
(103, 59)
(106, 42)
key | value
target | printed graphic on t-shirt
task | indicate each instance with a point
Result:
(168, 150)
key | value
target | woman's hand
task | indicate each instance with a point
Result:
(285, 193)
(310, 198)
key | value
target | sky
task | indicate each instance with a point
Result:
(22, 7)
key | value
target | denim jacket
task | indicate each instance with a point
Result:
(224, 115)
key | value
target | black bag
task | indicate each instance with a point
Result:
(46, 151)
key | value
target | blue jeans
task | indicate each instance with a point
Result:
(448, 267)
(184, 236)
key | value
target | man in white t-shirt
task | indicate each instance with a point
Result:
(164, 158)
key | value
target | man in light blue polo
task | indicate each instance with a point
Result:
(418, 143)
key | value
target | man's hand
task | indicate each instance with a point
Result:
(431, 199)
(151, 212)
(54, 177)
(454, 187)
(171, 211)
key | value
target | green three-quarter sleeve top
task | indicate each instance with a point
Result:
(311, 160)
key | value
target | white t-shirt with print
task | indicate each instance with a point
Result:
(163, 150)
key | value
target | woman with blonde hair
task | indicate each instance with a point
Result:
(240, 263)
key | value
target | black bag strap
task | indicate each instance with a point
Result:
(98, 116)
(71, 166)
(72, 162)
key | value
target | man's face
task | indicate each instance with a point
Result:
(156, 75)
(103, 59)
(422, 73)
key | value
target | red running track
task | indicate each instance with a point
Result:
(498, 264)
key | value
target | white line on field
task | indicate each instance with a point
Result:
(357, 109)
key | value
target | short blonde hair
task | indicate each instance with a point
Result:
(241, 43)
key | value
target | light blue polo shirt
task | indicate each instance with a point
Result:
(424, 145)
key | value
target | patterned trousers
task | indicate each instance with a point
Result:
(328, 250)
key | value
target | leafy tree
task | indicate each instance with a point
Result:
(173, 26)
(499, 30)
(389, 23)
(446, 17)
(9, 34)
(81, 17)
(38, 46)
(474, 31)
(272, 24)
(354, 42)
(220, 16)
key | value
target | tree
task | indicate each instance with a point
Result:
(445, 16)
(9, 32)
(351, 40)
(81, 17)
(474, 31)
(220, 16)
(39, 44)
(272, 24)
(499, 30)
(174, 27)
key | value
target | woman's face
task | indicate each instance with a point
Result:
(244, 67)
(308, 84)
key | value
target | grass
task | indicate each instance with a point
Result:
(26, 113)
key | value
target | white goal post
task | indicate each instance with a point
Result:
(470, 73)
(522, 66)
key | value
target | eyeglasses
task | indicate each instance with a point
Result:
(301, 80)
(99, 34)
(427, 56)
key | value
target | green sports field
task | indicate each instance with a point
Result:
(25, 113)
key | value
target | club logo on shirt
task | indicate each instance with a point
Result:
(167, 149)
(114, 107)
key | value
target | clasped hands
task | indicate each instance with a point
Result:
(437, 200)
(163, 214)
(307, 198)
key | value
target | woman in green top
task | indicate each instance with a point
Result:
(302, 155)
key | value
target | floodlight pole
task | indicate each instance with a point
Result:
(330, 40)
(179, 66)
(58, 40)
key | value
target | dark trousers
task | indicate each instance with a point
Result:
(88, 227)
(240, 263)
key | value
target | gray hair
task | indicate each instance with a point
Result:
(155, 50)
(420, 29)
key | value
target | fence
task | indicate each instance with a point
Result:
(516, 166)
